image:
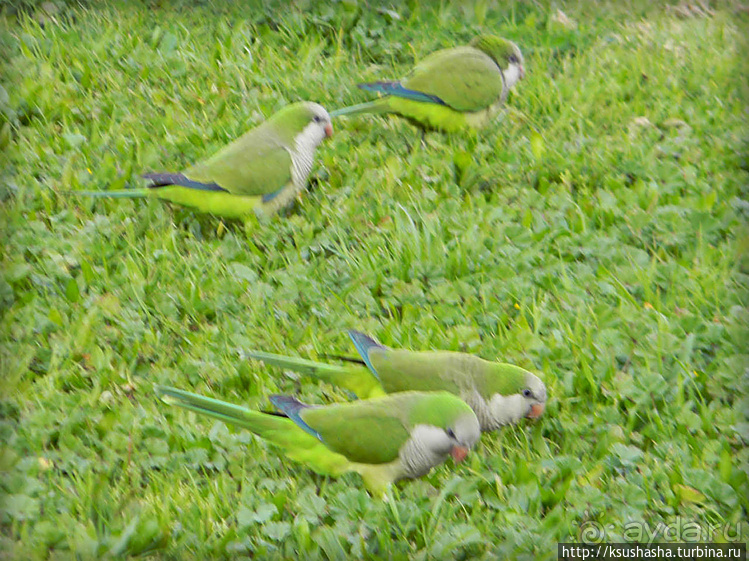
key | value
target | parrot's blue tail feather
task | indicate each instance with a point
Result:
(397, 89)
(364, 343)
(291, 407)
(166, 179)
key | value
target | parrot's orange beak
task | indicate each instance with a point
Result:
(328, 130)
(522, 72)
(459, 453)
(536, 410)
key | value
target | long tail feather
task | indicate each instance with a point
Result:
(296, 442)
(221, 410)
(397, 89)
(301, 365)
(167, 179)
(343, 358)
(355, 378)
(116, 194)
(373, 107)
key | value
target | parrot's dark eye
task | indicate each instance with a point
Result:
(317, 118)
(450, 433)
(514, 59)
(527, 393)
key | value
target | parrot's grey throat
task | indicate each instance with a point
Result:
(497, 412)
(303, 151)
(428, 446)
(511, 75)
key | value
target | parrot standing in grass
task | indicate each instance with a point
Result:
(383, 439)
(451, 89)
(259, 173)
(498, 393)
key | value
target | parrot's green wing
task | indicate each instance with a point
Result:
(465, 78)
(256, 164)
(368, 432)
(403, 370)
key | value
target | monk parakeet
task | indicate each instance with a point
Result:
(498, 393)
(383, 439)
(260, 172)
(451, 89)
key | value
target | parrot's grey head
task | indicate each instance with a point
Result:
(529, 402)
(517, 393)
(534, 396)
(307, 123)
(505, 53)
(430, 445)
(463, 434)
(318, 126)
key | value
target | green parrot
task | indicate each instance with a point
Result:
(260, 172)
(498, 393)
(383, 439)
(451, 89)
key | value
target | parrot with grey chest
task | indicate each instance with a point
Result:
(499, 393)
(260, 173)
(451, 89)
(383, 439)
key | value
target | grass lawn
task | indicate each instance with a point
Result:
(593, 233)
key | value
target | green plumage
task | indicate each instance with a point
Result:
(403, 370)
(398, 370)
(355, 378)
(364, 436)
(253, 174)
(451, 89)
(418, 113)
(257, 163)
(465, 78)
(386, 371)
